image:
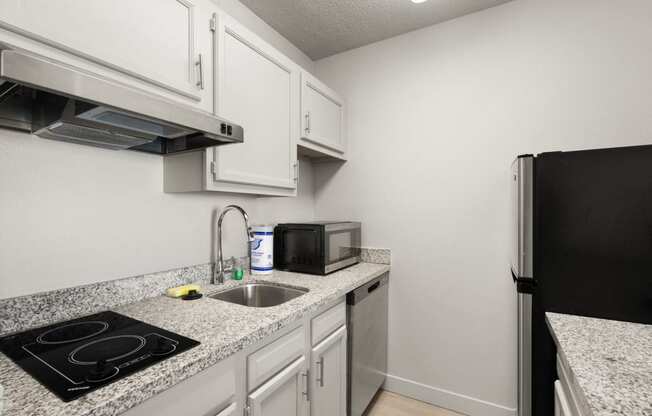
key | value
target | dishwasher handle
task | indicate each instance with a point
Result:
(357, 295)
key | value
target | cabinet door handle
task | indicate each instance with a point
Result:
(320, 371)
(308, 122)
(373, 287)
(200, 67)
(304, 377)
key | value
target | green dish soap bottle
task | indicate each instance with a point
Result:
(238, 269)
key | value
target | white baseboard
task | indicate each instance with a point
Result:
(447, 399)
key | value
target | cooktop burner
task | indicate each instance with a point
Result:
(76, 357)
(72, 332)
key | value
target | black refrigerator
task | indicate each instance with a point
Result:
(582, 245)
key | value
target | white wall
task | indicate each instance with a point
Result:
(434, 119)
(73, 215)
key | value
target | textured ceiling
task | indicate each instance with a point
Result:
(321, 28)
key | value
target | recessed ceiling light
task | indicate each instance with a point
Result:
(419, 1)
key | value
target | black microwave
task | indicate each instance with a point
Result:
(316, 247)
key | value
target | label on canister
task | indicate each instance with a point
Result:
(262, 249)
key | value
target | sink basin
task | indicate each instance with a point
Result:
(259, 295)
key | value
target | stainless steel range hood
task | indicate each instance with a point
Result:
(57, 101)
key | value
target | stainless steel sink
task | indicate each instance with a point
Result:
(259, 295)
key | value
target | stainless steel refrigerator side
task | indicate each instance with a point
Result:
(524, 398)
(522, 270)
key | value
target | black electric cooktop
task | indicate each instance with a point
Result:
(76, 357)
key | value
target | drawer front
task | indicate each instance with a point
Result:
(329, 321)
(273, 357)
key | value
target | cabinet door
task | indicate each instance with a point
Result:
(561, 403)
(569, 392)
(322, 116)
(329, 376)
(229, 411)
(285, 394)
(258, 87)
(155, 41)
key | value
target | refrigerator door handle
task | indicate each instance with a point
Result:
(524, 279)
(524, 284)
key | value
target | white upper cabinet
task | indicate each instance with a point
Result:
(158, 42)
(322, 119)
(259, 87)
(191, 52)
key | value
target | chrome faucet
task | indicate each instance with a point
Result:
(218, 268)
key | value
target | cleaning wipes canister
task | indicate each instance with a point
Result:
(262, 249)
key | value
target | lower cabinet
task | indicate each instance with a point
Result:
(566, 400)
(229, 411)
(562, 408)
(299, 372)
(303, 371)
(329, 376)
(209, 393)
(285, 394)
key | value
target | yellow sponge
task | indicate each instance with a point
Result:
(177, 292)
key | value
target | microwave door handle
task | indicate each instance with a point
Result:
(341, 227)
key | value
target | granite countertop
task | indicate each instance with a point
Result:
(222, 328)
(610, 363)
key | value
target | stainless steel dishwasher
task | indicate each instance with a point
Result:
(366, 313)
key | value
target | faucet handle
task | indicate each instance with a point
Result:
(228, 267)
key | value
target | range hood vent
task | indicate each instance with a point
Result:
(57, 101)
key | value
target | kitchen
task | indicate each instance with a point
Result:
(433, 106)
